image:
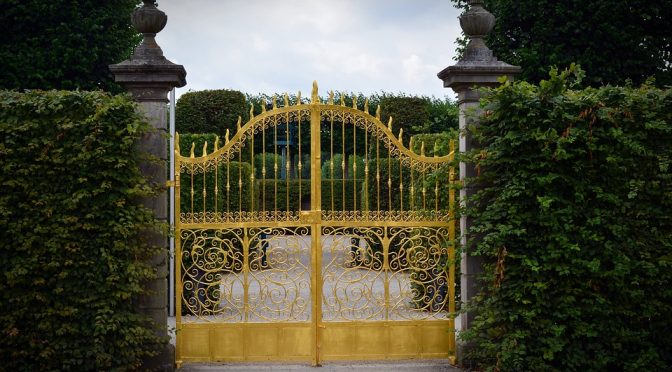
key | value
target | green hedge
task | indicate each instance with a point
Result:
(350, 188)
(283, 185)
(435, 141)
(210, 111)
(387, 193)
(270, 159)
(236, 198)
(72, 259)
(338, 167)
(576, 228)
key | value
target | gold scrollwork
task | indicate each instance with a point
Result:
(212, 281)
(279, 277)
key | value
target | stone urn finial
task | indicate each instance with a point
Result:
(477, 23)
(149, 21)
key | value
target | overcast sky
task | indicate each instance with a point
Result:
(269, 46)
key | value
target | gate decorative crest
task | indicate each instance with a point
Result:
(314, 234)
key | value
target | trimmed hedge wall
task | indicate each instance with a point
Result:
(576, 227)
(236, 198)
(210, 111)
(72, 259)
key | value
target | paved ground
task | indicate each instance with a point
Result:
(438, 365)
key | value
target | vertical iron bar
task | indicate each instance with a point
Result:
(275, 167)
(316, 241)
(343, 165)
(331, 161)
(252, 173)
(263, 168)
(289, 157)
(354, 166)
(300, 165)
(366, 173)
(378, 172)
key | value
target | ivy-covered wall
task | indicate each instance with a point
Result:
(576, 227)
(71, 257)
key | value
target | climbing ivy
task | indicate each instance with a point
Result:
(575, 227)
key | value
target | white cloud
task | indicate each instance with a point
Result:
(349, 45)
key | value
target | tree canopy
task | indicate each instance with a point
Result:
(64, 44)
(613, 41)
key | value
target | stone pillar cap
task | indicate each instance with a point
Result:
(147, 74)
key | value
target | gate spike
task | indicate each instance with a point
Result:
(378, 112)
(177, 143)
(263, 107)
(342, 100)
(275, 105)
(366, 105)
(436, 149)
(422, 148)
(331, 97)
(193, 146)
(389, 124)
(240, 121)
(226, 138)
(216, 143)
(314, 98)
(354, 102)
(251, 111)
(286, 98)
(205, 149)
(298, 98)
(401, 132)
(410, 145)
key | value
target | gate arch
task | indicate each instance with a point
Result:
(363, 271)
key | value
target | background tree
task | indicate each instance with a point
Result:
(613, 41)
(64, 44)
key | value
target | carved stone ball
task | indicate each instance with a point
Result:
(477, 22)
(148, 19)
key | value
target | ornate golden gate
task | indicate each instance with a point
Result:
(353, 261)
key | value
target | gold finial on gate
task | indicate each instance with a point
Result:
(314, 98)
(226, 137)
(193, 146)
(205, 148)
(342, 99)
(401, 132)
(298, 98)
(378, 112)
(240, 121)
(354, 102)
(275, 104)
(389, 124)
(331, 97)
(177, 143)
(366, 105)
(436, 149)
(286, 98)
(216, 144)
(422, 148)
(251, 111)
(410, 145)
(263, 106)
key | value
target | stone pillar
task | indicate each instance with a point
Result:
(149, 77)
(477, 68)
